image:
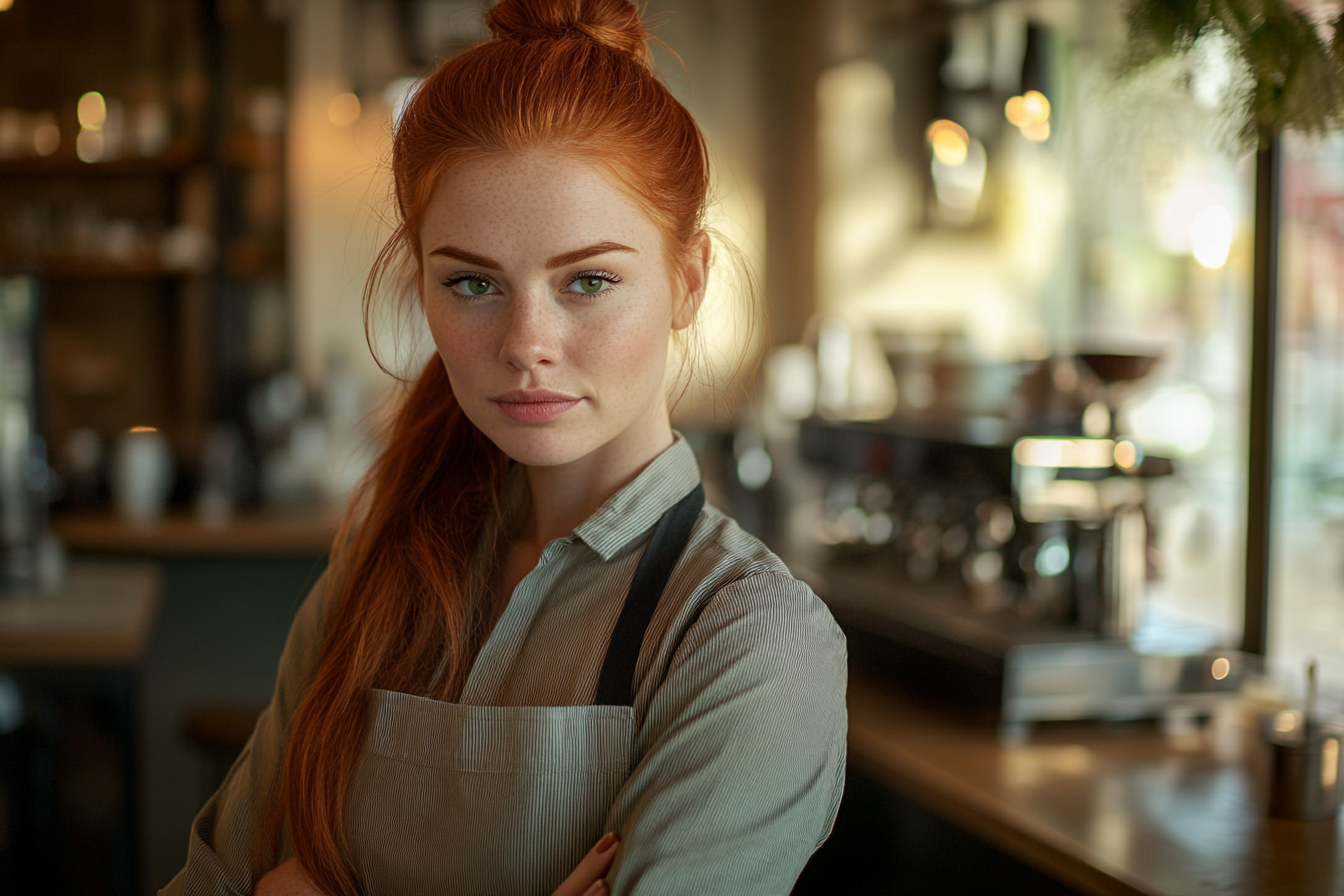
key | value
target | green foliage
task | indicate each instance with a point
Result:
(1295, 79)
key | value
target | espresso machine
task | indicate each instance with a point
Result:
(1002, 563)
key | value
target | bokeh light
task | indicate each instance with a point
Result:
(46, 139)
(1175, 420)
(89, 145)
(1037, 133)
(1030, 112)
(343, 110)
(1127, 455)
(1211, 231)
(949, 141)
(92, 110)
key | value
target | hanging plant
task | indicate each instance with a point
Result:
(1294, 75)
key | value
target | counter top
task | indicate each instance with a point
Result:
(247, 534)
(101, 616)
(1106, 809)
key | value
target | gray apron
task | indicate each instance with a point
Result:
(479, 800)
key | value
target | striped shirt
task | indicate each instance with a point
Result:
(738, 733)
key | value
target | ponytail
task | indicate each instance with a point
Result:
(404, 611)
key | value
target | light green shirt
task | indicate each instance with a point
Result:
(737, 758)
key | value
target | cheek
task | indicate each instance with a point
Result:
(463, 344)
(632, 345)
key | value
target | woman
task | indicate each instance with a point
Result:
(532, 630)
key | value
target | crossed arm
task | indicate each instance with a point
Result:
(742, 759)
(587, 879)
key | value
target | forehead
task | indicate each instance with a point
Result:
(532, 204)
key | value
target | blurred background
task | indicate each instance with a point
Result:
(997, 410)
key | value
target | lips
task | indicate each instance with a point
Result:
(534, 405)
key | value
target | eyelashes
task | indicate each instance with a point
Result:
(589, 277)
(590, 283)
(473, 280)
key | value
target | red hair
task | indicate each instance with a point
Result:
(569, 76)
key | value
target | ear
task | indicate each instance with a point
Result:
(695, 274)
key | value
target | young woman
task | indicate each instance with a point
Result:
(533, 631)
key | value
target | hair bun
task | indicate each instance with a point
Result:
(612, 23)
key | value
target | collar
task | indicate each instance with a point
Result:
(635, 509)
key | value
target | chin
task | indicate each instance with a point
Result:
(540, 446)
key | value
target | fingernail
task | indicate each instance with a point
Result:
(599, 888)
(607, 841)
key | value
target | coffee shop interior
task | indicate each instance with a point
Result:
(1024, 349)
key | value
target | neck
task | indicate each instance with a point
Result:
(564, 496)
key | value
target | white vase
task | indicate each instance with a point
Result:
(142, 474)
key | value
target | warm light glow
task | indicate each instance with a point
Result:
(1077, 454)
(950, 142)
(5, 5)
(1220, 668)
(1031, 113)
(1329, 761)
(144, 429)
(92, 110)
(89, 145)
(46, 137)
(1211, 232)
(1030, 110)
(343, 110)
(1285, 721)
(1126, 455)
(1037, 133)
(1035, 109)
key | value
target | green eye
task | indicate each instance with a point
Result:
(592, 284)
(476, 287)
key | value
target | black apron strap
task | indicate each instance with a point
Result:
(615, 685)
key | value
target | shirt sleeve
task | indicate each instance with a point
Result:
(236, 839)
(742, 750)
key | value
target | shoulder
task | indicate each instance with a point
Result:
(721, 552)
(745, 593)
(752, 648)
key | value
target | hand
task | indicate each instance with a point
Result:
(587, 877)
(289, 879)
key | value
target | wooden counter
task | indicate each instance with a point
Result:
(101, 616)
(1116, 809)
(250, 534)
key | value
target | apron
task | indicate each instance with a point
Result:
(479, 800)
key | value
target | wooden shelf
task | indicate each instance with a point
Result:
(173, 160)
(182, 535)
(102, 270)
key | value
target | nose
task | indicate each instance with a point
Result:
(531, 333)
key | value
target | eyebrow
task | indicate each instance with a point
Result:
(557, 261)
(568, 258)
